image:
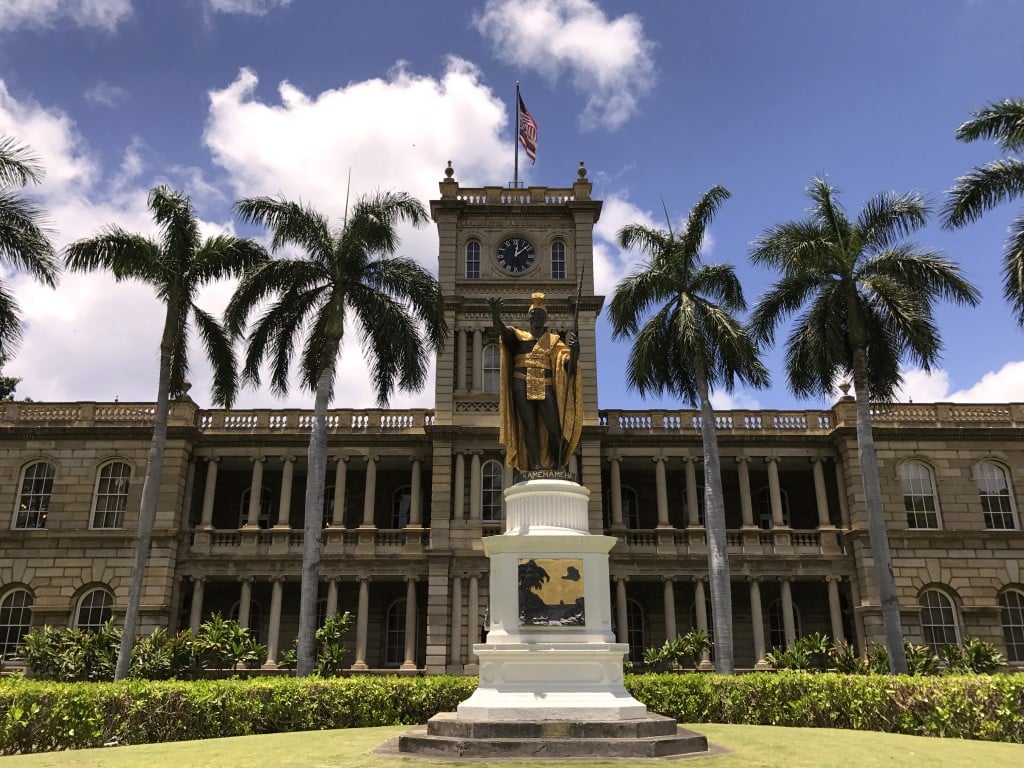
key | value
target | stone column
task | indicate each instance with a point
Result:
(621, 610)
(615, 465)
(844, 510)
(244, 601)
(362, 617)
(460, 360)
(340, 479)
(208, 493)
(284, 508)
(196, 615)
(459, 487)
(774, 491)
(478, 360)
(455, 646)
(834, 611)
(416, 493)
(692, 503)
(669, 595)
(474, 487)
(820, 497)
(274, 630)
(255, 492)
(788, 623)
(371, 492)
(701, 604)
(473, 617)
(661, 489)
(410, 623)
(757, 620)
(746, 506)
(332, 597)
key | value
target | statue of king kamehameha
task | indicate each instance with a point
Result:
(541, 393)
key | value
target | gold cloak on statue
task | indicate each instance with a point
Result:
(568, 396)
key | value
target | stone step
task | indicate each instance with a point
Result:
(449, 724)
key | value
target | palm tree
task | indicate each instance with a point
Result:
(691, 345)
(23, 240)
(869, 299)
(992, 184)
(177, 265)
(349, 274)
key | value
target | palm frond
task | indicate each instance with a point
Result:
(794, 245)
(10, 322)
(225, 256)
(883, 354)
(981, 190)
(698, 220)
(888, 217)
(173, 213)
(828, 212)
(787, 296)
(1002, 121)
(127, 256)
(290, 224)
(416, 289)
(270, 278)
(733, 352)
(374, 219)
(274, 334)
(818, 350)
(719, 283)
(644, 239)
(394, 343)
(179, 347)
(18, 165)
(927, 273)
(221, 355)
(1013, 270)
(23, 238)
(635, 296)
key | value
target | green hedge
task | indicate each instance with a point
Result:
(40, 716)
(987, 707)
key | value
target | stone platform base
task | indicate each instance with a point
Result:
(448, 736)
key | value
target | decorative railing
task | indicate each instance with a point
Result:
(346, 420)
(506, 196)
(690, 422)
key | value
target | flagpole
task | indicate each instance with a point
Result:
(515, 140)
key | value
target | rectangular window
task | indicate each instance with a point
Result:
(473, 259)
(558, 260)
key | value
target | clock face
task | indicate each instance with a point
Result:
(516, 254)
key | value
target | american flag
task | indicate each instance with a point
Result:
(527, 131)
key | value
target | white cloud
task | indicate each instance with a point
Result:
(611, 263)
(102, 14)
(609, 60)
(249, 7)
(104, 94)
(1002, 386)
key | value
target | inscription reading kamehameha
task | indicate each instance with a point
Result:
(546, 474)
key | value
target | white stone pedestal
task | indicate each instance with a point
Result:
(531, 672)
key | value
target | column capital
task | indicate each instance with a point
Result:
(742, 459)
(340, 457)
(371, 457)
(616, 459)
(621, 578)
(754, 579)
(412, 578)
(213, 459)
(198, 579)
(250, 579)
(415, 458)
(699, 579)
(668, 579)
(288, 459)
(257, 457)
(784, 579)
(834, 577)
(656, 459)
(364, 578)
(771, 459)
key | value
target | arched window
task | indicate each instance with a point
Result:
(636, 630)
(630, 508)
(401, 505)
(492, 478)
(111, 496)
(996, 500)
(15, 620)
(919, 495)
(1011, 602)
(939, 625)
(558, 260)
(473, 259)
(255, 619)
(266, 507)
(777, 627)
(94, 610)
(764, 504)
(394, 634)
(34, 499)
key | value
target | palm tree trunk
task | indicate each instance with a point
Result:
(150, 492)
(305, 663)
(878, 536)
(714, 526)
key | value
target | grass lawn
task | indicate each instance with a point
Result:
(750, 746)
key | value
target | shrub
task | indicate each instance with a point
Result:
(973, 657)
(679, 650)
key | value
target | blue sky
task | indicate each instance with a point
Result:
(227, 98)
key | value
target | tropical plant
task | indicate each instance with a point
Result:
(71, 655)
(993, 184)
(329, 638)
(692, 344)
(974, 657)
(681, 650)
(350, 275)
(812, 652)
(23, 240)
(177, 264)
(871, 304)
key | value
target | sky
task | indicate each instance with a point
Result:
(662, 100)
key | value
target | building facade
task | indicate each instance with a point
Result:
(411, 494)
